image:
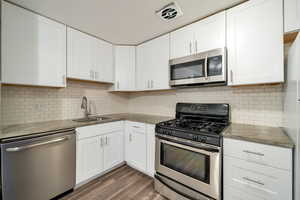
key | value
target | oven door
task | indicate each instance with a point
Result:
(193, 167)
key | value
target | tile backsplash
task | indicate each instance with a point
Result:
(260, 105)
(33, 104)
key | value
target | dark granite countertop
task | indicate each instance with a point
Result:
(41, 128)
(259, 134)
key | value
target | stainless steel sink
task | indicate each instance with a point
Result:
(91, 119)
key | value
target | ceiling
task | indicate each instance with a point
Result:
(123, 21)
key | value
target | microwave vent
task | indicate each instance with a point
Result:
(169, 12)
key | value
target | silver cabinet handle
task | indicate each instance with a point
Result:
(106, 140)
(255, 153)
(15, 149)
(231, 76)
(196, 46)
(253, 181)
(130, 137)
(96, 75)
(92, 75)
(64, 79)
(190, 47)
(136, 127)
(101, 142)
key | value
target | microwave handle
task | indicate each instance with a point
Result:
(205, 66)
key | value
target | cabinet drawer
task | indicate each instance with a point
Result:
(137, 126)
(277, 157)
(98, 129)
(235, 194)
(252, 178)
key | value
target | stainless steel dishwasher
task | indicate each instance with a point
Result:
(38, 168)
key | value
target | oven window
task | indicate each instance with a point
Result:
(189, 70)
(214, 66)
(190, 163)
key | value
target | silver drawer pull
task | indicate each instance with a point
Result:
(253, 181)
(15, 149)
(255, 153)
(136, 127)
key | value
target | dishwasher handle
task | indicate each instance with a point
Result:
(21, 148)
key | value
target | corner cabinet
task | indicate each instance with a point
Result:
(89, 58)
(205, 35)
(136, 145)
(152, 70)
(124, 68)
(140, 146)
(33, 48)
(255, 43)
(99, 148)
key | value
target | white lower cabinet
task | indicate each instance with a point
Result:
(136, 145)
(113, 149)
(150, 150)
(99, 149)
(140, 146)
(89, 158)
(102, 147)
(246, 178)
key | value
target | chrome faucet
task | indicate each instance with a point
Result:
(84, 105)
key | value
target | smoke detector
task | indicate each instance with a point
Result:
(169, 12)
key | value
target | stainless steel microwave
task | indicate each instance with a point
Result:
(202, 68)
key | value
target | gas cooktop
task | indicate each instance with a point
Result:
(198, 122)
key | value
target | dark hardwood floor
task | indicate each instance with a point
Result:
(123, 183)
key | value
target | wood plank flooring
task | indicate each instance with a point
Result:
(123, 183)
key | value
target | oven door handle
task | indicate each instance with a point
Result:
(200, 147)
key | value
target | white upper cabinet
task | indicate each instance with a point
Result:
(152, 70)
(80, 60)
(33, 48)
(124, 68)
(291, 15)
(89, 58)
(255, 42)
(103, 61)
(201, 36)
(209, 33)
(181, 42)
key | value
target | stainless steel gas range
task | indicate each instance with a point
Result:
(188, 152)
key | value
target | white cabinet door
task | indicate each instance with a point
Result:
(151, 149)
(103, 61)
(159, 55)
(89, 158)
(255, 42)
(153, 64)
(181, 42)
(113, 149)
(33, 48)
(291, 15)
(209, 33)
(136, 147)
(89, 58)
(124, 68)
(143, 67)
(80, 55)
